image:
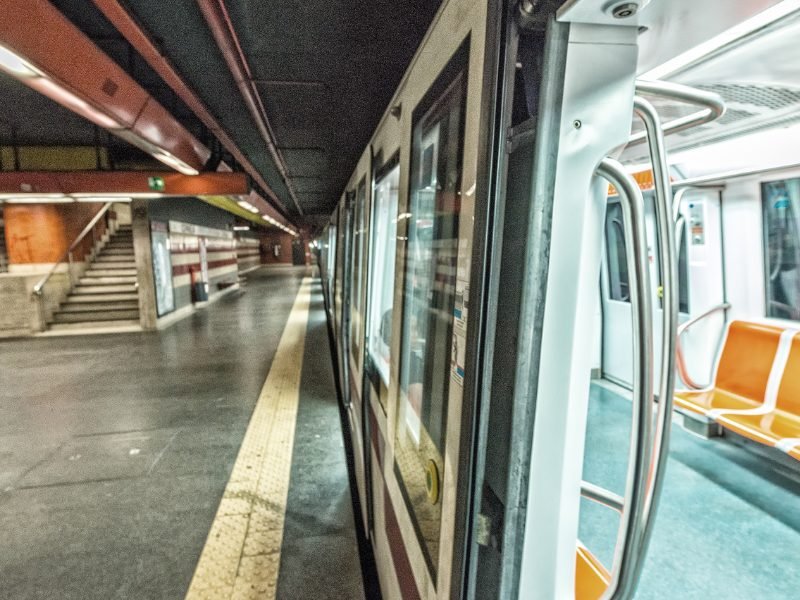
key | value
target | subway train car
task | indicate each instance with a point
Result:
(563, 290)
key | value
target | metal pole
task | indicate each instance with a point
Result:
(629, 554)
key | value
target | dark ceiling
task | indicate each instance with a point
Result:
(325, 70)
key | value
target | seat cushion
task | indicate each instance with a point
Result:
(766, 429)
(702, 401)
(591, 577)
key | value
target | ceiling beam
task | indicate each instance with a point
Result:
(121, 183)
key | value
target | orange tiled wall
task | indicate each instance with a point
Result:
(41, 233)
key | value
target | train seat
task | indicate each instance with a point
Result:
(742, 371)
(780, 427)
(591, 577)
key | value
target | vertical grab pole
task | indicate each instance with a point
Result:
(629, 555)
(669, 324)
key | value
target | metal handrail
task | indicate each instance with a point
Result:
(713, 106)
(601, 495)
(38, 289)
(669, 322)
(680, 361)
(628, 558)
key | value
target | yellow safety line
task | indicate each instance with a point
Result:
(241, 557)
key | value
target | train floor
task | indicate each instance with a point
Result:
(728, 525)
(202, 461)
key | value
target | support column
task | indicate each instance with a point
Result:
(140, 225)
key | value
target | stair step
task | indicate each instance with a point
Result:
(122, 270)
(89, 298)
(95, 315)
(107, 251)
(92, 325)
(115, 245)
(117, 258)
(80, 290)
(108, 280)
(81, 307)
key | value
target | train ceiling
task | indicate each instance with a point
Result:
(325, 72)
(757, 75)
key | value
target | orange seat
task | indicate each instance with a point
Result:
(591, 577)
(783, 422)
(742, 371)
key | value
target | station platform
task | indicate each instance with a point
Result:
(202, 461)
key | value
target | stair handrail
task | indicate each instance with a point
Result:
(38, 289)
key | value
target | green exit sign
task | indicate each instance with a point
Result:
(156, 184)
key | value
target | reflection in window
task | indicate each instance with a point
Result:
(781, 205)
(619, 288)
(382, 255)
(359, 231)
(428, 301)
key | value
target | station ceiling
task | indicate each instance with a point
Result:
(325, 71)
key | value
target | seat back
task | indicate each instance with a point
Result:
(789, 390)
(746, 360)
(591, 577)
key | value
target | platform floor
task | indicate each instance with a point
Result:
(728, 525)
(116, 451)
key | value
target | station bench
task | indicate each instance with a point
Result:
(756, 389)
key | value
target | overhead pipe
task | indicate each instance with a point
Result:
(219, 21)
(133, 32)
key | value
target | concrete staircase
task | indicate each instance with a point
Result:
(106, 295)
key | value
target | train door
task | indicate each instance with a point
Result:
(700, 283)
(616, 351)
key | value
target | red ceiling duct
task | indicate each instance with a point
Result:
(41, 48)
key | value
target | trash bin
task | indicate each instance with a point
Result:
(199, 288)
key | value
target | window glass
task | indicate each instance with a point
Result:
(383, 245)
(359, 232)
(431, 248)
(619, 288)
(781, 205)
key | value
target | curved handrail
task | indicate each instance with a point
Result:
(628, 558)
(680, 361)
(601, 495)
(669, 322)
(37, 289)
(713, 106)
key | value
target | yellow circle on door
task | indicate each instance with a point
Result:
(432, 482)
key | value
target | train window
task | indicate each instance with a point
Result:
(431, 235)
(683, 271)
(359, 231)
(383, 244)
(781, 206)
(619, 288)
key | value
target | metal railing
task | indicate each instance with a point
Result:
(633, 505)
(649, 445)
(680, 361)
(38, 289)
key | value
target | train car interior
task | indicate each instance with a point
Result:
(732, 468)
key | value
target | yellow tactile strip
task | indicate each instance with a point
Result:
(241, 557)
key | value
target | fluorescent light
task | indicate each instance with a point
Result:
(241, 228)
(737, 32)
(15, 65)
(102, 199)
(69, 100)
(175, 162)
(39, 200)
